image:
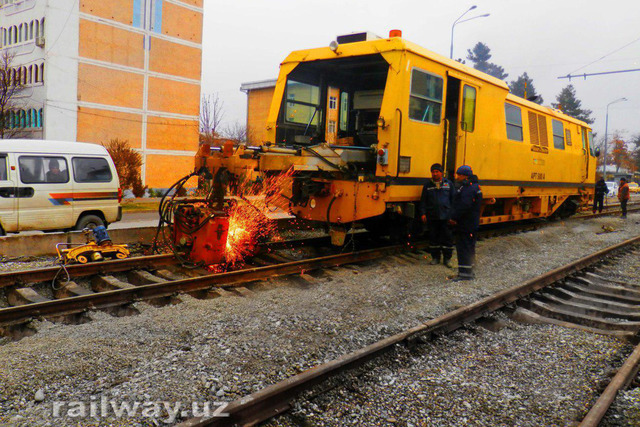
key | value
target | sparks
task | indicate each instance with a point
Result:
(249, 221)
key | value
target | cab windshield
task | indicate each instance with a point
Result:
(336, 101)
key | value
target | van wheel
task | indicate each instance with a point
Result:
(89, 221)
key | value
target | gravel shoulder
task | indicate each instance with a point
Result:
(221, 349)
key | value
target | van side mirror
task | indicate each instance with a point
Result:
(597, 152)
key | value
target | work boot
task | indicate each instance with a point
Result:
(435, 261)
(447, 263)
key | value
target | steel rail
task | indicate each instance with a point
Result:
(275, 399)
(80, 270)
(8, 279)
(621, 380)
(78, 304)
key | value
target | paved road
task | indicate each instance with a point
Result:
(136, 219)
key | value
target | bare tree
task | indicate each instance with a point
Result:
(236, 132)
(10, 86)
(211, 115)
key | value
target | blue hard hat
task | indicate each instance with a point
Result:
(464, 170)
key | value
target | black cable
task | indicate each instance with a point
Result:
(329, 212)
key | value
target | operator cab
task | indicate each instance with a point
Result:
(335, 101)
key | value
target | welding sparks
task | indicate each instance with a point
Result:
(248, 221)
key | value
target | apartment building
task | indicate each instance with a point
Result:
(95, 70)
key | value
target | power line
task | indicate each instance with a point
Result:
(608, 54)
(49, 104)
(569, 76)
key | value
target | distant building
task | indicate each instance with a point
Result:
(95, 70)
(259, 96)
(615, 175)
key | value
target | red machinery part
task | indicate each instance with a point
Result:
(206, 243)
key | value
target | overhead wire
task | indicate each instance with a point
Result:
(603, 57)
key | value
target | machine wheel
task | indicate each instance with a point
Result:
(89, 221)
(82, 258)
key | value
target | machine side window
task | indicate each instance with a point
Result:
(39, 169)
(425, 102)
(558, 134)
(513, 116)
(591, 143)
(91, 169)
(303, 103)
(468, 109)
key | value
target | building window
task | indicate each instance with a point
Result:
(558, 134)
(333, 103)
(147, 14)
(425, 101)
(514, 122)
(156, 16)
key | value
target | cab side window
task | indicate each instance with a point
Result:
(425, 102)
(558, 134)
(513, 115)
(91, 169)
(40, 169)
(468, 108)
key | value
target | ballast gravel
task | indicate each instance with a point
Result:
(173, 359)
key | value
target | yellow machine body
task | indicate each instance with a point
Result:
(361, 125)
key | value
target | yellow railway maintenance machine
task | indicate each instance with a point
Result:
(361, 122)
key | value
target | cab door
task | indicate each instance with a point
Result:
(460, 121)
(467, 123)
(8, 195)
(585, 153)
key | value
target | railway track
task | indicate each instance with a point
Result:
(579, 295)
(68, 294)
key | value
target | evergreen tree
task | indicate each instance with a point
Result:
(570, 105)
(480, 56)
(523, 84)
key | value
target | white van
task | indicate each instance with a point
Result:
(53, 185)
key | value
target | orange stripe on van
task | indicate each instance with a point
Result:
(59, 199)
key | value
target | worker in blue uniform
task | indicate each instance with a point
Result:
(465, 217)
(435, 210)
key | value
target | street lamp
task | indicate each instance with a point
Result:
(606, 135)
(458, 21)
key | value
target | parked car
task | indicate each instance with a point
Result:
(54, 185)
(613, 188)
(634, 187)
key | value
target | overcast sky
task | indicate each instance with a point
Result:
(245, 40)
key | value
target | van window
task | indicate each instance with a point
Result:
(41, 169)
(3, 167)
(91, 169)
